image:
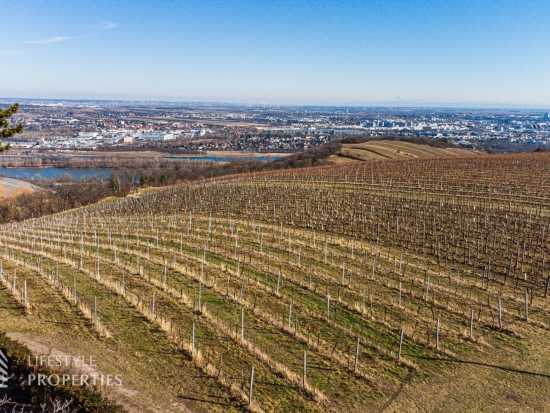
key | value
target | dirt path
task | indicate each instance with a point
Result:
(122, 394)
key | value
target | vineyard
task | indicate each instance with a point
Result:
(373, 150)
(403, 285)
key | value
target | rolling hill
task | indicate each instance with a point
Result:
(387, 149)
(388, 285)
(12, 187)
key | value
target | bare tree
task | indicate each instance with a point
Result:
(57, 406)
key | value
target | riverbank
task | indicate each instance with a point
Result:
(118, 160)
(51, 172)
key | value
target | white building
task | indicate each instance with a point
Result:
(87, 135)
(157, 136)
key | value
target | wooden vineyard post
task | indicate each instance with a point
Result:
(305, 369)
(193, 340)
(200, 296)
(95, 310)
(399, 303)
(289, 315)
(343, 272)
(328, 306)
(242, 324)
(25, 293)
(437, 334)
(356, 355)
(499, 315)
(98, 274)
(427, 288)
(251, 385)
(472, 324)
(74, 290)
(400, 345)
(526, 306)
(153, 306)
(242, 288)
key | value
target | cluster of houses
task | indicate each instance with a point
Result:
(111, 137)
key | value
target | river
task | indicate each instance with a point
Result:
(54, 173)
(79, 173)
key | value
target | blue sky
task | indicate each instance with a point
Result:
(370, 52)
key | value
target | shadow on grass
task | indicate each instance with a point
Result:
(206, 401)
(270, 383)
(393, 397)
(315, 367)
(68, 323)
(478, 363)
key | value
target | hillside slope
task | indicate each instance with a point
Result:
(401, 285)
(387, 149)
(12, 187)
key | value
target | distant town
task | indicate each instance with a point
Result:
(201, 127)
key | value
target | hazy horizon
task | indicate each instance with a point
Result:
(228, 104)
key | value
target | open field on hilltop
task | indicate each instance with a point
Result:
(400, 285)
(12, 187)
(387, 149)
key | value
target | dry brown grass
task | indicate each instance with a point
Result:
(379, 150)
